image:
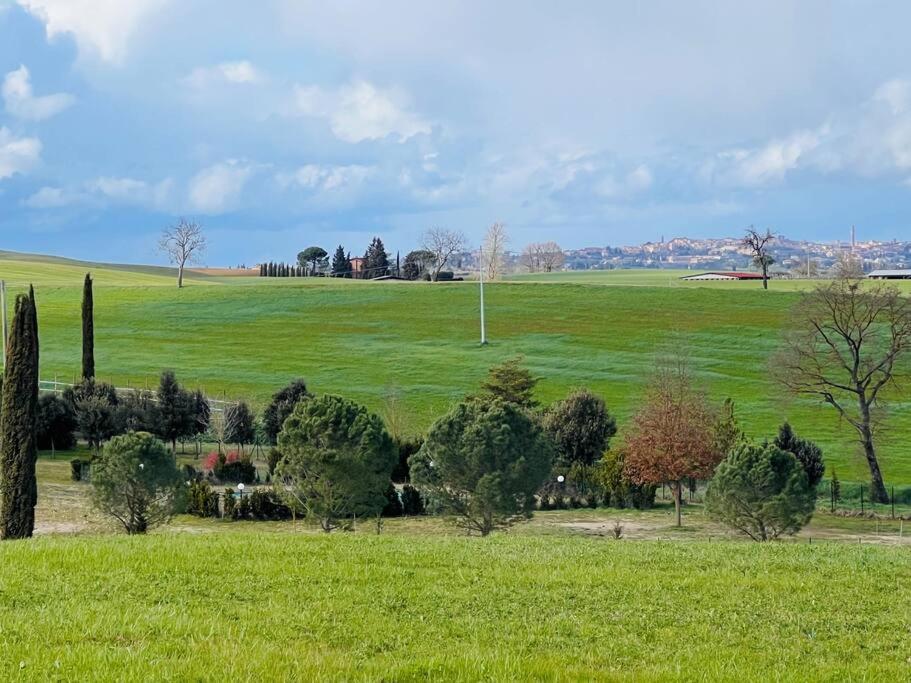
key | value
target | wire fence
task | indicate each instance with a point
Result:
(54, 386)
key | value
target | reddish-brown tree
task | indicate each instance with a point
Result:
(673, 434)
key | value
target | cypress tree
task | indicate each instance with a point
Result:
(18, 424)
(88, 329)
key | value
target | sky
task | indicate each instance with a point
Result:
(282, 124)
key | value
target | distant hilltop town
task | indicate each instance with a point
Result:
(729, 253)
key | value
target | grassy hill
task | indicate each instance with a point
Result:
(244, 605)
(246, 337)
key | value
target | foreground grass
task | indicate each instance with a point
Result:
(241, 605)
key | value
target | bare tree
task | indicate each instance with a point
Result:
(758, 244)
(443, 244)
(495, 250)
(183, 243)
(848, 267)
(843, 347)
(542, 257)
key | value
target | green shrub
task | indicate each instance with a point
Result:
(412, 501)
(202, 501)
(76, 466)
(265, 504)
(393, 507)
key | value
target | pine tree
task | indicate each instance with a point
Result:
(350, 265)
(340, 265)
(18, 424)
(376, 260)
(88, 329)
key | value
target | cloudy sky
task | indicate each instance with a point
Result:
(280, 124)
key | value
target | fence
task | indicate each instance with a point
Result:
(53, 386)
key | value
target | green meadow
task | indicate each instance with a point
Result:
(245, 337)
(269, 605)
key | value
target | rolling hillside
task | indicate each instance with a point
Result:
(246, 337)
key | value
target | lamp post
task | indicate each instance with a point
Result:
(240, 488)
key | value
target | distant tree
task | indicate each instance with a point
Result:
(545, 257)
(483, 462)
(417, 263)
(240, 425)
(137, 411)
(183, 243)
(727, 433)
(281, 406)
(176, 411)
(848, 267)
(758, 244)
(88, 329)
(761, 491)
(56, 423)
(844, 345)
(511, 382)
(376, 260)
(494, 251)
(18, 423)
(672, 439)
(97, 413)
(311, 259)
(337, 460)
(136, 482)
(808, 454)
(341, 264)
(580, 427)
(202, 417)
(443, 244)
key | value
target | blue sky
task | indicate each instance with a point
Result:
(280, 124)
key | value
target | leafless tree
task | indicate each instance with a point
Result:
(848, 267)
(443, 244)
(542, 257)
(183, 243)
(758, 244)
(495, 250)
(844, 346)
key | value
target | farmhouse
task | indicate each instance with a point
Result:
(723, 275)
(890, 275)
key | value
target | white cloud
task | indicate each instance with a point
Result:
(361, 111)
(132, 191)
(216, 188)
(636, 181)
(236, 73)
(48, 198)
(102, 27)
(17, 155)
(764, 165)
(21, 102)
(317, 177)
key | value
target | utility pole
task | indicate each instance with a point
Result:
(481, 280)
(3, 306)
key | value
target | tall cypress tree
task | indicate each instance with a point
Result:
(18, 423)
(88, 329)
